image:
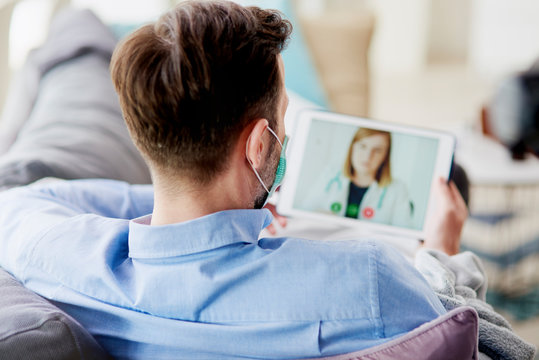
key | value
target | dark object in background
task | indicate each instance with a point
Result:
(459, 177)
(512, 116)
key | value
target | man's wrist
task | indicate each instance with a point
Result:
(449, 249)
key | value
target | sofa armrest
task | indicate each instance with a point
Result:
(33, 328)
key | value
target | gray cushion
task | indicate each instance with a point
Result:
(74, 128)
(33, 328)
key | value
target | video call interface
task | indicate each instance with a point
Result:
(367, 174)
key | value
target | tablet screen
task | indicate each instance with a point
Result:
(354, 169)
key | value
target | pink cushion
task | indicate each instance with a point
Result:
(451, 336)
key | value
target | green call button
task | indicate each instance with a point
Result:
(352, 210)
(336, 207)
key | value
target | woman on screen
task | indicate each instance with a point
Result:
(364, 189)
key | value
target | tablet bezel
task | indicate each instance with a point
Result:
(298, 141)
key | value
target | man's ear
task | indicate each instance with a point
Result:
(255, 144)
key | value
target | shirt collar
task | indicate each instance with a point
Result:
(201, 234)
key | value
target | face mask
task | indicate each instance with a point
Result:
(281, 168)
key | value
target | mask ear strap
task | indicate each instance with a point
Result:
(274, 134)
(252, 166)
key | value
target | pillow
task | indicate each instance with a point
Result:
(74, 128)
(453, 335)
(33, 328)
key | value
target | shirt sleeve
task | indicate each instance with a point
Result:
(406, 299)
(109, 198)
(28, 213)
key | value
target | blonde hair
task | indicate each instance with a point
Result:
(383, 174)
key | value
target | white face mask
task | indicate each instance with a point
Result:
(281, 168)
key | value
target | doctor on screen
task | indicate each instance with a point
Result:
(364, 189)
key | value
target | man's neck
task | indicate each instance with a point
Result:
(179, 202)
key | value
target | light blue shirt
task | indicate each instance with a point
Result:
(207, 288)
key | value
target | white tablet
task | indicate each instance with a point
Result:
(360, 172)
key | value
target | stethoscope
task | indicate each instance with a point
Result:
(338, 182)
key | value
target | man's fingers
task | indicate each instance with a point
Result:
(450, 192)
(281, 220)
(459, 201)
(271, 229)
(442, 187)
(443, 192)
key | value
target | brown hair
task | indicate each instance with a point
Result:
(383, 175)
(192, 81)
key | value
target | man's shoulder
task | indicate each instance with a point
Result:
(362, 246)
(378, 261)
(355, 274)
(361, 254)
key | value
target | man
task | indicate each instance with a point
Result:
(202, 92)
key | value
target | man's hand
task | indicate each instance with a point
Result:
(445, 224)
(280, 219)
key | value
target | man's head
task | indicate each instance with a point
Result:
(190, 83)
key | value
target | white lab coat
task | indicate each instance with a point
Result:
(387, 205)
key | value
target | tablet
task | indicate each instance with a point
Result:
(363, 173)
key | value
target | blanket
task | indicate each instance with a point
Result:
(460, 280)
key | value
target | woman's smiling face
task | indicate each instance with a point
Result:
(369, 153)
